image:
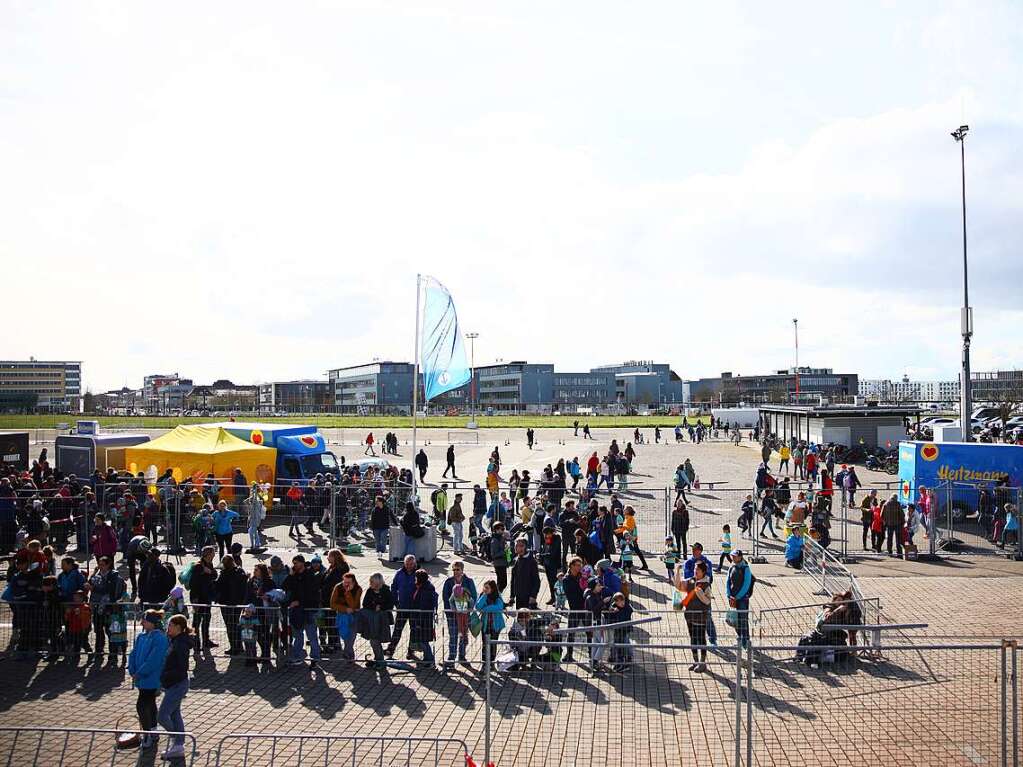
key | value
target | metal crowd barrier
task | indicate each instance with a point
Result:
(279, 750)
(81, 747)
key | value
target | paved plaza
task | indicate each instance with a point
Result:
(912, 706)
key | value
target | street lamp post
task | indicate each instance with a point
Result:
(966, 315)
(795, 328)
(472, 376)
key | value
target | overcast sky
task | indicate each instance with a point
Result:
(247, 190)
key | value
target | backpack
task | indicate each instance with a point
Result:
(186, 575)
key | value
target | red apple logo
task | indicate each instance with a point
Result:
(256, 437)
(308, 441)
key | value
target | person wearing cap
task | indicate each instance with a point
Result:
(145, 664)
(303, 589)
(739, 588)
(156, 579)
(136, 554)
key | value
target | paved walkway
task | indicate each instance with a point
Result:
(914, 707)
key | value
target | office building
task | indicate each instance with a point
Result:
(905, 390)
(40, 386)
(997, 386)
(780, 386)
(515, 386)
(296, 397)
(379, 387)
(644, 382)
(583, 389)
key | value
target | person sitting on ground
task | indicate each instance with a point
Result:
(794, 549)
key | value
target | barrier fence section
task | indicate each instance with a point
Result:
(971, 519)
(266, 634)
(279, 750)
(767, 705)
(46, 746)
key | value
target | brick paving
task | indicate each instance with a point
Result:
(657, 713)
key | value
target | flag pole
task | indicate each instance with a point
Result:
(415, 388)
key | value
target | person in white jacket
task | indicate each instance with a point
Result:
(256, 509)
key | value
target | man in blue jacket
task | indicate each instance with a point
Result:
(144, 665)
(402, 588)
(456, 642)
(739, 588)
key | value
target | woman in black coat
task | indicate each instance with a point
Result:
(680, 525)
(424, 609)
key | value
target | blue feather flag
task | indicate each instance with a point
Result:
(444, 364)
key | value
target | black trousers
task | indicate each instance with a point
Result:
(681, 543)
(893, 532)
(231, 615)
(502, 578)
(146, 708)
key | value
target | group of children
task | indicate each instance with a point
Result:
(672, 556)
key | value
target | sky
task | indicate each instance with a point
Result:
(247, 190)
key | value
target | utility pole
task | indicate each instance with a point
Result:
(966, 315)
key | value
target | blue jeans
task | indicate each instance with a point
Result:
(169, 715)
(380, 539)
(308, 630)
(476, 523)
(456, 642)
(410, 546)
(768, 524)
(742, 606)
(712, 631)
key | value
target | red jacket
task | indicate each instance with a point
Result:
(104, 541)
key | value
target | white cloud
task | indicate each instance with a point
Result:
(248, 193)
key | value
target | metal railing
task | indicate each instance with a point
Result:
(82, 747)
(274, 750)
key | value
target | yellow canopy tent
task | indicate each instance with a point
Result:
(195, 451)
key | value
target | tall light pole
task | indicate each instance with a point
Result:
(472, 374)
(966, 316)
(795, 328)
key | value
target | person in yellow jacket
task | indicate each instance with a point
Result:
(784, 454)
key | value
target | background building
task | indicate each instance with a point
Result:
(591, 389)
(998, 386)
(379, 387)
(38, 385)
(644, 382)
(515, 386)
(779, 387)
(296, 397)
(222, 394)
(905, 390)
